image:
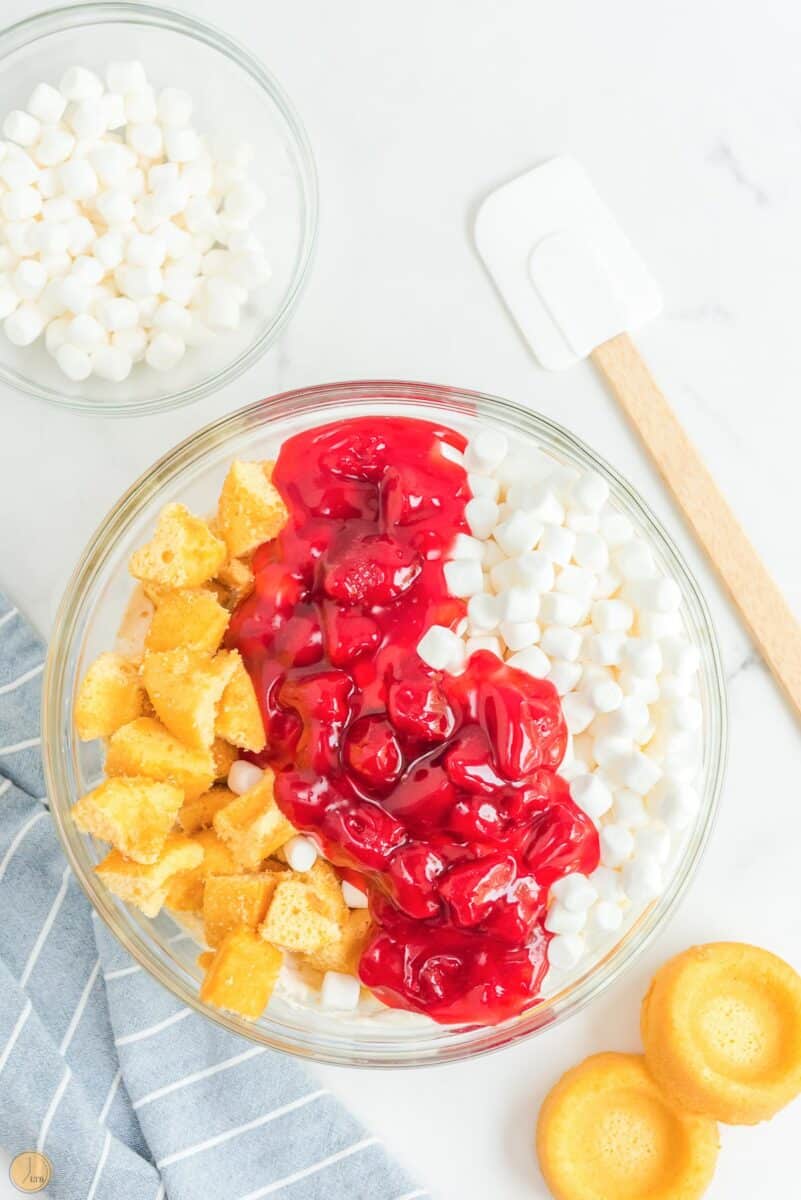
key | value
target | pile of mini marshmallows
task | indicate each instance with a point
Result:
(339, 991)
(558, 584)
(123, 236)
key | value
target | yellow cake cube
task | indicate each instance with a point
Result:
(183, 552)
(199, 813)
(299, 919)
(145, 885)
(253, 826)
(242, 974)
(250, 510)
(230, 901)
(237, 578)
(134, 814)
(145, 747)
(224, 755)
(191, 618)
(111, 695)
(238, 715)
(344, 953)
(185, 688)
(185, 891)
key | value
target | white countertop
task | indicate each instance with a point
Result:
(688, 118)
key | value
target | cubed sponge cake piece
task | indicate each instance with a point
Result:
(191, 618)
(299, 919)
(250, 510)
(721, 1027)
(145, 885)
(344, 953)
(183, 552)
(606, 1132)
(186, 889)
(232, 901)
(145, 747)
(242, 974)
(200, 812)
(238, 579)
(253, 826)
(224, 756)
(111, 695)
(185, 688)
(135, 815)
(238, 716)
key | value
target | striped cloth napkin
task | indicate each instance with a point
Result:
(130, 1095)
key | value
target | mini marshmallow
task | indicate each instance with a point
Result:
(52, 237)
(591, 551)
(604, 918)
(47, 104)
(607, 883)
(24, 324)
(659, 594)
(56, 334)
(118, 313)
(464, 546)
(685, 713)
(532, 661)
(612, 616)
(564, 675)
(9, 298)
(574, 892)
(560, 641)
(629, 809)
(79, 83)
(55, 147)
(642, 657)
(679, 656)
(145, 250)
(564, 920)
(18, 169)
(581, 522)
(165, 351)
(615, 529)
(485, 451)
(243, 776)
(88, 269)
(112, 106)
(441, 649)
(605, 649)
(138, 283)
(78, 179)
(565, 950)
(22, 128)
(488, 643)
(627, 721)
(675, 803)
(87, 119)
(184, 145)
(517, 635)
(109, 250)
(146, 139)
(481, 515)
(340, 992)
(607, 582)
(482, 485)
(112, 363)
(74, 362)
(637, 771)
(518, 533)
(174, 107)
(29, 278)
(86, 332)
(463, 577)
(126, 77)
(21, 204)
(617, 845)
(589, 492)
(546, 508)
(642, 879)
(561, 608)
(354, 897)
(301, 853)
(576, 581)
(140, 106)
(592, 795)
(634, 560)
(132, 341)
(484, 612)
(578, 713)
(518, 604)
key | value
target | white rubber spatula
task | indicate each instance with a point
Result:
(576, 288)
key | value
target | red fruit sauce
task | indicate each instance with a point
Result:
(441, 791)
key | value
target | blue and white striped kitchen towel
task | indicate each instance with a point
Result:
(130, 1095)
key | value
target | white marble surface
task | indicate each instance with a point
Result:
(688, 117)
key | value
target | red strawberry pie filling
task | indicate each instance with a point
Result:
(441, 791)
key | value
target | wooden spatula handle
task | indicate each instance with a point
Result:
(765, 611)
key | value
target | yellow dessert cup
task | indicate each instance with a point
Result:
(721, 1027)
(607, 1132)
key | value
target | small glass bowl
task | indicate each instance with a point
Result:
(234, 95)
(87, 623)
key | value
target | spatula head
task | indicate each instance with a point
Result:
(568, 274)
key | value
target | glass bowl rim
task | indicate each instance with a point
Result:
(57, 20)
(441, 1045)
